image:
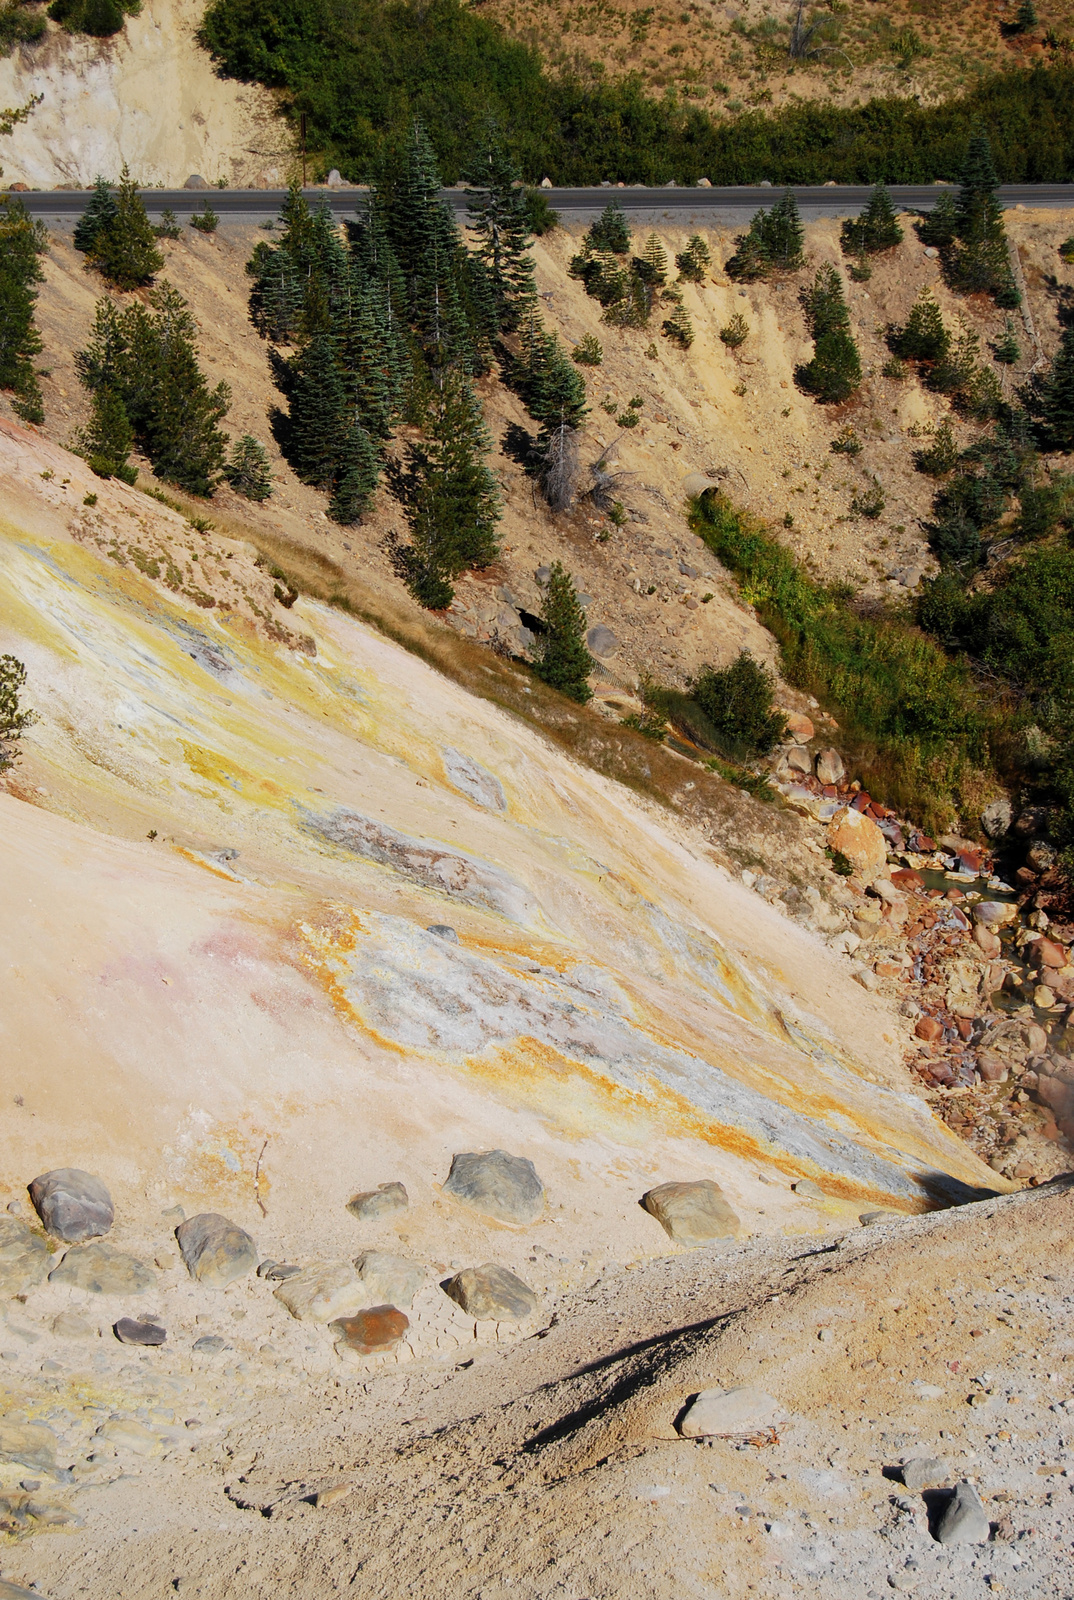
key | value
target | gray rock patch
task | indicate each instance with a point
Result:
(73, 1205)
(692, 1213)
(601, 642)
(964, 1519)
(215, 1251)
(925, 1472)
(130, 1331)
(497, 1184)
(443, 930)
(716, 1413)
(482, 787)
(387, 1280)
(101, 1269)
(492, 1293)
(24, 1257)
(372, 1204)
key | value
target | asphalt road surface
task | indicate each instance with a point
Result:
(670, 204)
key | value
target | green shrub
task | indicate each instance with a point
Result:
(923, 337)
(735, 332)
(168, 226)
(941, 456)
(846, 442)
(14, 718)
(738, 702)
(540, 217)
(99, 18)
(205, 220)
(587, 352)
(19, 25)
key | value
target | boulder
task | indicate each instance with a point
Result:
(195, 181)
(443, 930)
(388, 1280)
(995, 913)
(871, 1219)
(215, 1251)
(857, 837)
(491, 1294)
(334, 179)
(925, 1472)
(991, 1067)
(728, 1413)
(798, 759)
(24, 1257)
(130, 1331)
(601, 642)
(497, 1184)
(830, 768)
(799, 727)
(930, 1029)
(372, 1204)
(964, 1519)
(996, 818)
(808, 1189)
(73, 1205)
(101, 1269)
(322, 1292)
(692, 1213)
(374, 1331)
(1046, 953)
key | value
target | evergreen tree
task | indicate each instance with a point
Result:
(977, 262)
(611, 231)
(448, 494)
(1007, 350)
(1027, 15)
(168, 226)
(877, 228)
(99, 214)
(1050, 399)
(22, 241)
(499, 215)
(183, 440)
(923, 337)
(692, 261)
(124, 248)
(835, 370)
(653, 267)
(940, 226)
(14, 717)
(106, 442)
(248, 470)
(784, 235)
(312, 435)
(562, 658)
(276, 298)
(738, 702)
(357, 473)
(679, 327)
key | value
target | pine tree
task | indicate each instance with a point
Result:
(22, 241)
(124, 248)
(499, 217)
(562, 658)
(248, 470)
(923, 337)
(106, 443)
(751, 259)
(823, 303)
(14, 717)
(940, 226)
(611, 231)
(1051, 398)
(977, 262)
(358, 470)
(835, 370)
(653, 267)
(679, 327)
(877, 228)
(1007, 350)
(1027, 15)
(692, 261)
(183, 440)
(312, 435)
(99, 214)
(784, 234)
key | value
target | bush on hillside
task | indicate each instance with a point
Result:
(738, 702)
(14, 717)
(22, 241)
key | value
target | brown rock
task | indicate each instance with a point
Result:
(830, 768)
(929, 1029)
(799, 727)
(371, 1332)
(692, 1213)
(992, 1067)
(1049, 954)
(858, 838)
(985, 940)
(907, 878)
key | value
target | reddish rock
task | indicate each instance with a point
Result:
(954, 894)
(799, 727)
(861, 801)
(929, 1028)
(971, 860)
(1050, 954)
(371, 1332)
(830, 792)
(991, 1067)
(964, 1026)
(907, 878)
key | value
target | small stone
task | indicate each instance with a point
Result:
(30, 1444)
(929, 1028)
(373, 1331)
(277, 1271)
(210, 1344)
(124, 1433)
(388, 1280)
(443, 930)
(809, 1189)
(830, 768)
(497, 1184)
(101, 1269)
(726, 1413)
(931, 252)
(925, 1472)
(24, 1257)
(322, 1292)
(215, 1251)
(1043, 997)
(692, 1213)
(867, 979)
(964, 1519)
(492, 1293)
(543, 575)
(373, 1204)
(73, 1205)
(129, 1331)
(996, 818)
(601, 642)
(69, 1325)
(870, 1219)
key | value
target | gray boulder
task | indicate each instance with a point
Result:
(215, 1251)
(716, 1413)
(73, 1205)
(497, 1184)
(130, 1331)
(601, 642)
(101, 1269)
(996, 818)
(870, 1219)
(387, 1280)
(964, 1519)
(195, 181)
(372, 1204)
(924, 1472)
(692, 1213)
(443, 930)
(24, 1257)
(492, 1294)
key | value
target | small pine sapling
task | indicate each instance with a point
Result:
(876, 230)
(205, 220)
(562, 659)
(587, 352)
(735, 332)
(106, 443)
(611, 231)
(693, 261)
(14, 718)
(653, 265)
(247, 470)
(1006, 349)
(98, 214)
(679, 328)
(168, 226)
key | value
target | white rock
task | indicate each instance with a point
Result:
(729, 1411)
(323, 1291)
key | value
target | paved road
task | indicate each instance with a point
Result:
(728, 205)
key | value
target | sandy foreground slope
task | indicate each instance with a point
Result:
(231, 831)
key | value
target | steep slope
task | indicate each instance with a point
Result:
(147, 96)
